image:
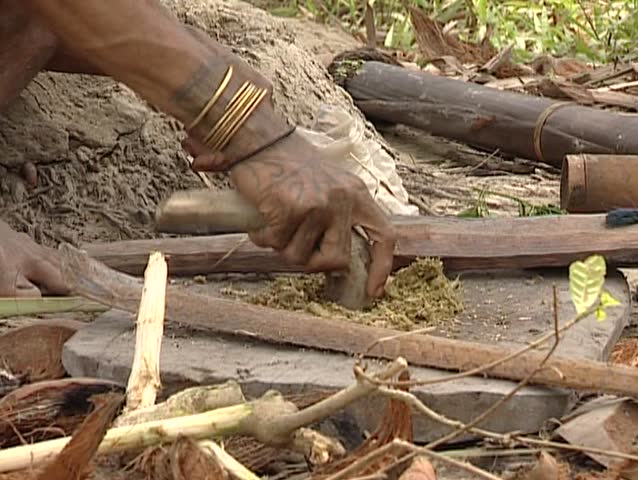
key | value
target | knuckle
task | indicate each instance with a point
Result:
(294, 257)
(259, 239)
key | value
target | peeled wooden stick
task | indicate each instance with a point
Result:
(144, 380)
(205, 425)
(191, 401)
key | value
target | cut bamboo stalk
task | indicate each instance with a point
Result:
(484, 117)
(144, 380)
(598, 183)
(15, 307)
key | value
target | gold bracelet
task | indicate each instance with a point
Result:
(247, 112)
(238, 110)
(229, 112)
(218, 93)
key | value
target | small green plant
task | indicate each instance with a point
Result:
(586, 281)
(525, 209)
(479, 209)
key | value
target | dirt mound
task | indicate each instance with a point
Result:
(105, 159)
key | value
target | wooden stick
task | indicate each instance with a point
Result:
(224, 421)
(97, 282)
(144, 380)
(462, 244)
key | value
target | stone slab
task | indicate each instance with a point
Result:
(511, 309)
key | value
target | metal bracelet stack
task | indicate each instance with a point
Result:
(238, 110)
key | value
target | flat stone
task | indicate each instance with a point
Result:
(512, 309)
(105, 348)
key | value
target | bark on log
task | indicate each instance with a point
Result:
(484, 117)
(95, 281)
(463, 244)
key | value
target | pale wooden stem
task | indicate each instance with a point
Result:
(190, 401)
(329, 406)
(144, 380)
(221, 422)
(270, 419)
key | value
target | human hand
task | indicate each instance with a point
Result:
(309, 206)
(26, 268)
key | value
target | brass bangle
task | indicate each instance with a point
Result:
(239, 109)
(229, 112)
(218, 93)
(246, 114)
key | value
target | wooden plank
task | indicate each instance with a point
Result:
(486, 117)
(93, 280)
(462, 243)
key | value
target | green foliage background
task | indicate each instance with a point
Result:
(602, 31)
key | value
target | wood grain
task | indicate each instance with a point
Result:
(463, 244)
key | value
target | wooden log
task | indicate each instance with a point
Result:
(485, 117)
(94, 280)
(462, 243)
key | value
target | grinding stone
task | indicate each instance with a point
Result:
(513, 309)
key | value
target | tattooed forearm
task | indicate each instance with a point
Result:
(200, 84)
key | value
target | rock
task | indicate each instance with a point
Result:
(104, 349)
(507, 309)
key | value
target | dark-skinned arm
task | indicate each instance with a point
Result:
(140, 44)
(309, 205)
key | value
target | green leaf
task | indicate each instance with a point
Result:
(586, 281)
(472, 212)
(286, 11)
(601, 314)
(608, 300)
